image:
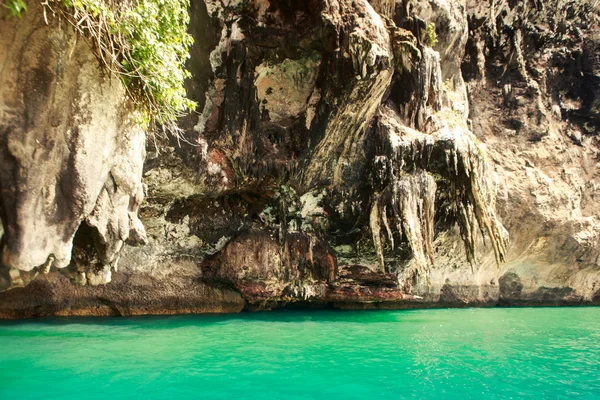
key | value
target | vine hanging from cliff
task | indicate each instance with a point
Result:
(144, 42)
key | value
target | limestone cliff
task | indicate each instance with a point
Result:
(344, 153)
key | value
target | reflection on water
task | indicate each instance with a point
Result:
(470, 353)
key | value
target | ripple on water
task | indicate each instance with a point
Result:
(470, 353)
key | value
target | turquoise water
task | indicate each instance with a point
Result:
(424, 354)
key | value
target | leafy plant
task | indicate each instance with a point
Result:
(430, 34)
(144, 42)
(15, 7)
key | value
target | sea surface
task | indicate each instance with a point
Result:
(497, 353)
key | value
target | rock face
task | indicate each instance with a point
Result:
(342, 155)
(71, 158)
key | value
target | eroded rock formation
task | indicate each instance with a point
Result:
(340, 156)
(72, 156)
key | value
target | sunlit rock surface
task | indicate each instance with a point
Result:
(71, 156)
(340, 156)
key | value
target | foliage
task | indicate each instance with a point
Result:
(15, 7)
(431, 35)
(144, 42)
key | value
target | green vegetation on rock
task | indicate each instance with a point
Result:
(15, 7)
(430, 35)
(144, 42)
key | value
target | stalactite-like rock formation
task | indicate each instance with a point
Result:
(404, 168)
(385, 8)
(345, 153)
(410, 199)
